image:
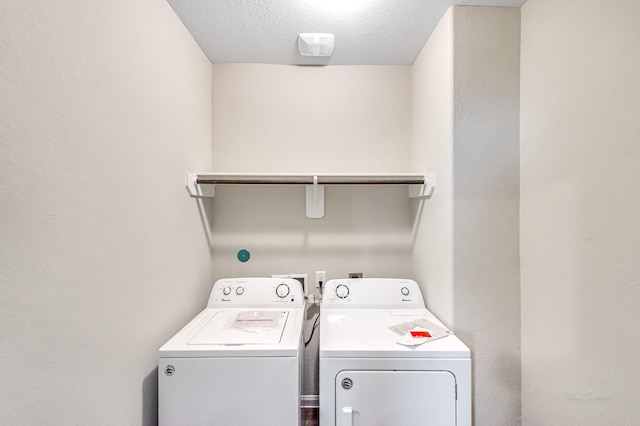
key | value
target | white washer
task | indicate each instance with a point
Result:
(239, 361)
(367, 379)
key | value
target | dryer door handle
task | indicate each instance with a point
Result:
(349, 412)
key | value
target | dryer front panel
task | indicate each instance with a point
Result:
(386, 398)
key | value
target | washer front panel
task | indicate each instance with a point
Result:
(229, 391)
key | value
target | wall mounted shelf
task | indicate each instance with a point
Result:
(420, 185)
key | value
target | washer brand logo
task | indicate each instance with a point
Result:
(347, 383)
(406, 300)
(169, 370)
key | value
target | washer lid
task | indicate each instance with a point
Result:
(197, 339)
(242, 327)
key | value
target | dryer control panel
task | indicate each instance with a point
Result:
(391, 293)
(256, 292)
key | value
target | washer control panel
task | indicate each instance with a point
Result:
(257, 292)
(372, 293)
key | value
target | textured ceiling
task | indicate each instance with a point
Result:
(367, 32)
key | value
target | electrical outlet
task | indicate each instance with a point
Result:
(321, 278)
(355, 274)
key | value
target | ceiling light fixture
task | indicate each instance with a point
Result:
(315, 44)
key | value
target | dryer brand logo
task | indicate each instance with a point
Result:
(347, 383)
(406, 300)
(169, 370)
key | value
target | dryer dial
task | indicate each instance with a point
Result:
(404, 291)
(282, 290)
(342, 291)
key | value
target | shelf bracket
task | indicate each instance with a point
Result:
(315, 199)
(425, 191)
(196, 190)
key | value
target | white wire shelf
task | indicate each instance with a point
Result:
(421, 185)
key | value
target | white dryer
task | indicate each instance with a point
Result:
(238, 362)
(368, 379)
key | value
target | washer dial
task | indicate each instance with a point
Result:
(239, 290)
(342, 291)
(282, 290)
(226, 291)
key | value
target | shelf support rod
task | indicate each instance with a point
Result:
(425, 191)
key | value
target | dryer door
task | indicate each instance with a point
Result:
(387, 398)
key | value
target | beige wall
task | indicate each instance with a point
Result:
(432, 151)
(486, 205)
(465, 125)
(103, 106)
(273, 118)
(580, 243)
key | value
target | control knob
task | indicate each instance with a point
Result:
(239, 290)
(404, 291)
(282, 290)
(342, 291)
(226, 291)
